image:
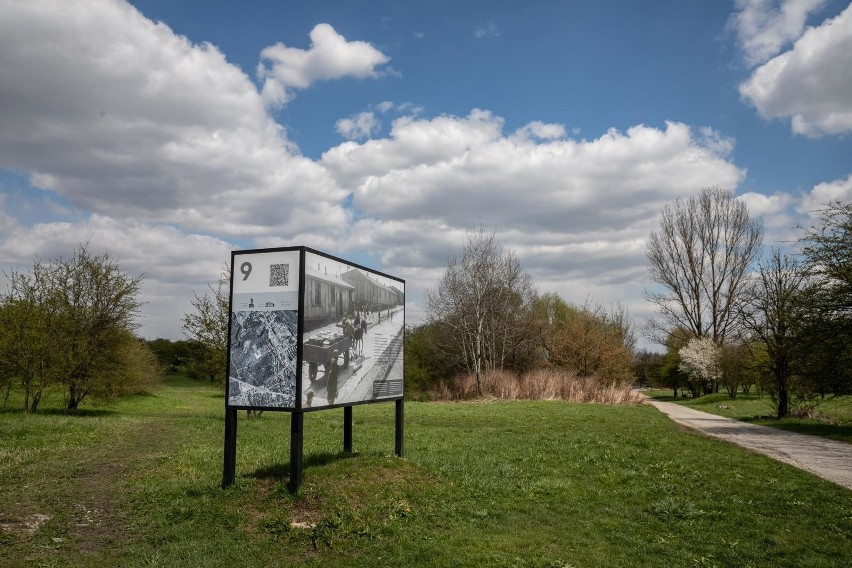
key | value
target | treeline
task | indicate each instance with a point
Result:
(68, 325)
(486, 318)
(732, 318)
(186, 357)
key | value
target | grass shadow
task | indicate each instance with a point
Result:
(657, 395)
(832, 431)
(281, 471)
(79, 413)
(278, 472)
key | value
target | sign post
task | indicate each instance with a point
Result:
(347, 429)
(308, 331)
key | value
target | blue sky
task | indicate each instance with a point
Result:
(173, 132)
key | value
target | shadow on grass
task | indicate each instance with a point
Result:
(832, 431)
(666, 398)
(281, 471)
(79, 413)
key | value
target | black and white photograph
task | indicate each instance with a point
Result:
(353, 332)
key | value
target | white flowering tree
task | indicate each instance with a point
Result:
(699, 359)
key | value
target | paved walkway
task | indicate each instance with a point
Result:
(828, 459)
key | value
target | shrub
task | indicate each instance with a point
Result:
(540, 384)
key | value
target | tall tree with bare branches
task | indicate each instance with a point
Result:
(700, 257)
(481, 302)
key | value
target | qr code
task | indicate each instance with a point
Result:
(279, 275)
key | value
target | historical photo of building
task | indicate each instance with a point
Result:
(352, 343)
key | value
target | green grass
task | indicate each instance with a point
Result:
(528, 484)
(833, 415)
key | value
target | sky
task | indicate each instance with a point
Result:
(171, 133)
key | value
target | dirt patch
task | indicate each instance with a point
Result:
(73, 505)
(97, 522)
(26, 527)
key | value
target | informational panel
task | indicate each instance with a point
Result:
(263, 346)
(352, 342)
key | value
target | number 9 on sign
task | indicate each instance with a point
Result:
(245, 270)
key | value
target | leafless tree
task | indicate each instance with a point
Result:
(700, 258)
(482, 302)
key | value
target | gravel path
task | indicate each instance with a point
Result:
(829, 459)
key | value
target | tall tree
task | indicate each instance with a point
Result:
(700, 258)
(774, 314)
(481, 302)
(827, 252)
(98, 304)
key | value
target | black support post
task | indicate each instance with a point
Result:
(347, 429)
(399, 426)
(297, 423)
(230, 464)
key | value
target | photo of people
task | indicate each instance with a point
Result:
(353, 333)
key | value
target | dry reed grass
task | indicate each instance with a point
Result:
(541, 384)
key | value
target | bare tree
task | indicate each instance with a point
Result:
(700, 257)
(482, 301)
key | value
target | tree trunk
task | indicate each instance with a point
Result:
(783, 399)
(35, 400)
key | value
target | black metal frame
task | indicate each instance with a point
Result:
(297, 413)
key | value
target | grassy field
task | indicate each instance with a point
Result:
(833, 416)
(526, 484)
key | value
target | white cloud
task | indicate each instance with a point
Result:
(463, 170)
(486, 28)
(775, 212)
(825, 193)
(7, 222)
(541, 131)
(810, 84)
(174, 263)
(407, 108)
(124, 118)
(330, 56)
(358, 126)
(577, 212)
(760, 204)
(164, 141)
(764, 27)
